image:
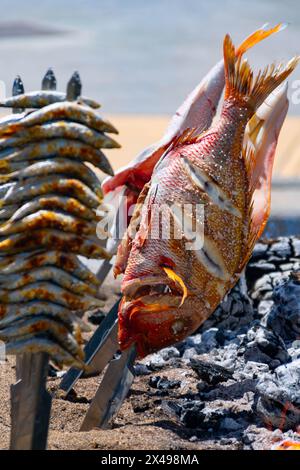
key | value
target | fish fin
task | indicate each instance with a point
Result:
(258, 35)
(187, 137)
(242, 86)
(124, 247)
(271, 115)
(259, 151)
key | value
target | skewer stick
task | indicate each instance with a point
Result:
(112, 391)
(30, 403)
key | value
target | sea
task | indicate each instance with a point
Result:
(136, 56)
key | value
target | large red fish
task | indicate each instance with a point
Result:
(196, 112)
(172, 284)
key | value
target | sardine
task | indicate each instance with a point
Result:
(41, 98)
(172, 284)
(43, 290)
(25, 262)
(17, 158)
(58, 111)
(40, 343)
(57, 184)
(44, 219)
(47, 273)
(61, 166)
(49, 202)
(40, 324)
(11, 312)
(56, 130)
(47, 239)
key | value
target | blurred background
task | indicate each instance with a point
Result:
(140, 59)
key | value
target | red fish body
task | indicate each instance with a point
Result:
(173, 283)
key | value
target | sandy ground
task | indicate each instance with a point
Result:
(139, 131)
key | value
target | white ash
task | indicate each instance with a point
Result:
(255, 336)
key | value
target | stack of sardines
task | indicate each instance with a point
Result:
(48, 217)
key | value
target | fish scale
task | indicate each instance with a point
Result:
(172, 284)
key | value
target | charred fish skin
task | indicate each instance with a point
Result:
(39, 99)
(16, 158)
(58, 111)
(60, 129)
(48, 219)
(66, 204)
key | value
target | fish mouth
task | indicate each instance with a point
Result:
(150, 314)
(153, 289)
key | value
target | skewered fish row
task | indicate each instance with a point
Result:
(48, 217)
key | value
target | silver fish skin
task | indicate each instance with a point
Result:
(41, 98)
(62, 166)
(19, 192)
(45, 291)
(17, 158)
(49, 219)
(49, 202)
(68, 261)
(59, 129)
(42, 323)
(40, 343)
(47, 238)
(68, 111)
(5, 187)
(47, 273)
(13, 312)
(8, 212)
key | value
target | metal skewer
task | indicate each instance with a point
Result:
(119, 376)
(30, 403)
(98, 351)
(112, 391)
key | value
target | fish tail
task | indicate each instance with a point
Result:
(258, 35)
(243, 87)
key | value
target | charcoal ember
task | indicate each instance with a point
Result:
(265, 346)
(235, 311)
(264, 286)
(281, 248)
(230, 424)
(163, 383)
(279, 398)
(269, 260)
(169, 353)
(284, 317)
(195, 415)
(264, 308)
(141, 369)
(210, 373)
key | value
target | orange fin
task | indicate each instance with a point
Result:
(259, 151)
(257, 36)
(174, 277)
(240, 83)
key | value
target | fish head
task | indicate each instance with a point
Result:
(160, 306)
(154, 314)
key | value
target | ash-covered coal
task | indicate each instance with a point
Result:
(242, 378)
(279, 397)
(284, 317)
